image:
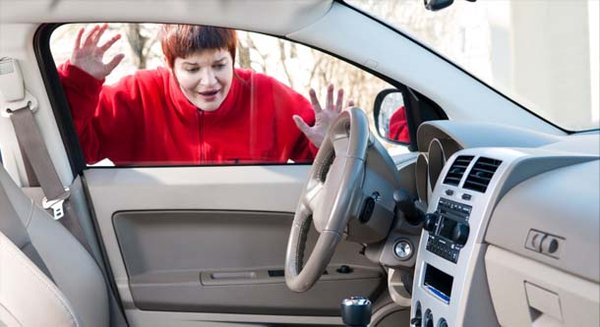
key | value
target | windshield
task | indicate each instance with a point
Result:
(542, 54)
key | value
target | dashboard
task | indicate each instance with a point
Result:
(510, 231)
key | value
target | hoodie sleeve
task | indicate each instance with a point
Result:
(286, 103)
(103, 116)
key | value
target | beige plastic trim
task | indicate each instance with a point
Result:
(254, 15)
(397, 289)
(560, 297)
(557, 196)
(481, 134)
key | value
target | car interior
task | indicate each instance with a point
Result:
(491, 216)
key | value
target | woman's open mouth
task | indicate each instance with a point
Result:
(209, 95)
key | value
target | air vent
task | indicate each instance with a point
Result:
(457, 170)
(480, 175)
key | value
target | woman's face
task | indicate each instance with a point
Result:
(205, 77)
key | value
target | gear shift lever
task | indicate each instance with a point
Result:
(356, 311)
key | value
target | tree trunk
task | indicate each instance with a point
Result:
(137, 42)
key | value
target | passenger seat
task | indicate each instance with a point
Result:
(47, 278)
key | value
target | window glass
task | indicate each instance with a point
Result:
(185, 106)
(542, 54)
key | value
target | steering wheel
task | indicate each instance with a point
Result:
(330, 198)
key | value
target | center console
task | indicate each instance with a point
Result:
(450, 286)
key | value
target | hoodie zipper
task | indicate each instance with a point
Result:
(201, 142)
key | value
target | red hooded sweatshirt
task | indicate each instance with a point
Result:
(399, 126)
(145, 119)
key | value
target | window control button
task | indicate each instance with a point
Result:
(534, 240)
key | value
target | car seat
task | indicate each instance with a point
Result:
(47, 278)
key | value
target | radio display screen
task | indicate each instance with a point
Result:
(447, 226)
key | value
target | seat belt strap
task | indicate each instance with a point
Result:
(31, 178)
(28, 136)
(56, 196)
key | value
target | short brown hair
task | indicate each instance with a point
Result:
(183, 40)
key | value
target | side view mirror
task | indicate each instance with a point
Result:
(435, 5)
(390, 116)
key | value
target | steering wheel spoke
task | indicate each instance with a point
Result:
(312, 195)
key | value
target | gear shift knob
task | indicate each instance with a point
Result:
(356, 311)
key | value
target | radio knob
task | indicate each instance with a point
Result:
(430, 221)
(460, 234)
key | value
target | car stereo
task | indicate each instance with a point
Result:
(448, 229)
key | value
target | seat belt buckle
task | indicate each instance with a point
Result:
(57, 209)
(57, 205)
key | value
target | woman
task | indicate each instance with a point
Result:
(198, 110)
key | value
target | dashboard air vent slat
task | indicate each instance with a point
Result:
(457, 170)
(480, 175)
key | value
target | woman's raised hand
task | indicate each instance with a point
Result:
(87, 54)
(324, 117)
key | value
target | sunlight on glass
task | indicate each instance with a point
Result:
(542, 54)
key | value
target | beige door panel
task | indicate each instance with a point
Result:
(211, 240)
